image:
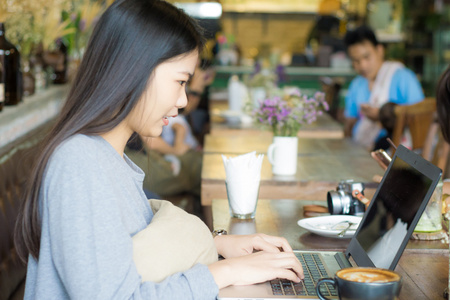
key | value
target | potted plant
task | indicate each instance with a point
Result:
(284, 114)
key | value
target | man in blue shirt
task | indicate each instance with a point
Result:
(379, 82)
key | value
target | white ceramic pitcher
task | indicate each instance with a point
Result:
(282, 154)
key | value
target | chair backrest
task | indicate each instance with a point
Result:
(436, 149)
(417, 118)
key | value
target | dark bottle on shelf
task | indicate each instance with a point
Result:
(60, 69)
(10, 64)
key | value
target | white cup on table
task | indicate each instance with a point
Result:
(242, 197)
(243, 174)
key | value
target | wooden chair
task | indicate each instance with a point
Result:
(417, 118)
(436, 149)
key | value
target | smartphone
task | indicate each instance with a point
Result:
(382, 157)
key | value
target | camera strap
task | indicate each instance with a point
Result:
(358, 195)
(314, 210)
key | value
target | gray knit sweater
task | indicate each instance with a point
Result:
(91, 205)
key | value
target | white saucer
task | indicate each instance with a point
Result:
(231, 116)
(330, 226)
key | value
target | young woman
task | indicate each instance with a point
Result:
(85, 201)
(443, 103)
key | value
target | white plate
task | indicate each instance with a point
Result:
(232, 117)
(330, 226)
(236, 117)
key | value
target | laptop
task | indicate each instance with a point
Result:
(379, 241)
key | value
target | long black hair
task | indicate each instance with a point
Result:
(129, 41)
(443, 104)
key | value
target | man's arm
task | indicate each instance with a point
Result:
(180, 135)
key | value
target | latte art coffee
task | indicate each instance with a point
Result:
(363, 283)
(368, 275)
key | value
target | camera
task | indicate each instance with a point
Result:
(342, 201)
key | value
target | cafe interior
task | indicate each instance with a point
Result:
(299, 176)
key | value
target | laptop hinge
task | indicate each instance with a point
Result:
(342, 260)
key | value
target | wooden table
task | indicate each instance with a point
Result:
(324, 127)
(240, 144)
(316, 175)
(424, 265)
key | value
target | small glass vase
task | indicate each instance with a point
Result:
(431, 219)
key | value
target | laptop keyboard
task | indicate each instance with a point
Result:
(313, 269)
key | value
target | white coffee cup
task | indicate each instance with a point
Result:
(282, 154)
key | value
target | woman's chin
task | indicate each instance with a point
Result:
(152, 134)
(156, 132)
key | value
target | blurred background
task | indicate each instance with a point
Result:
(51, 36)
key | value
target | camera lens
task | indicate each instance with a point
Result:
(338, 202)
(334, 202)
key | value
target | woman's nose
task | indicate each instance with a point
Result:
(182, 100)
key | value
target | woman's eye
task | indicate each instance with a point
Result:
(182, 82)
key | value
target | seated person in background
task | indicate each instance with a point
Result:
(387, 118)
(173, 161)
(197, 110)
(379, 81)
(197, 84)
(332, 88)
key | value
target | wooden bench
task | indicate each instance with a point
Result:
(15, 165)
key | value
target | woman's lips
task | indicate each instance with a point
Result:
(166, 119)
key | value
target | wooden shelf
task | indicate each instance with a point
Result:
(34, 111)
(273, 8)
(292, 71)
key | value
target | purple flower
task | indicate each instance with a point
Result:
(285, 112)
(286, 115)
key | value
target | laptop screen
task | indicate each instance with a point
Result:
(396, 208)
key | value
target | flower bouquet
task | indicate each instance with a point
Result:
(286, 112)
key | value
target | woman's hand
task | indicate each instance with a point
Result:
(237, 245)
(255, 268)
